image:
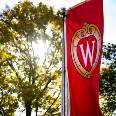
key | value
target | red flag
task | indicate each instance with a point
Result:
(84, 38)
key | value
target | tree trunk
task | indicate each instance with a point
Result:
(28, 108)
(36, 109)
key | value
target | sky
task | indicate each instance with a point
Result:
(109, 13)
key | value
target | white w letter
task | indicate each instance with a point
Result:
(88, 53)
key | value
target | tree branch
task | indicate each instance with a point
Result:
(14, 70)
(52, 104)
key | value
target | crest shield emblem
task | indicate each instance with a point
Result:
(85, 49)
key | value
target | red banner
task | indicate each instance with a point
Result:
(84, 38)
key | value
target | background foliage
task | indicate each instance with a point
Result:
(108, 81)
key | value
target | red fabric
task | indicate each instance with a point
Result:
(84, 92)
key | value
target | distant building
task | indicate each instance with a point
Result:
(114, 113)
(19, 113)
(105, 63)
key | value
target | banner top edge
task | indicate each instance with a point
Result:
(78, 4)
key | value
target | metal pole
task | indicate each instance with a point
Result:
(63, 67)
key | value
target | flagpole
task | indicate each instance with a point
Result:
(63, 111)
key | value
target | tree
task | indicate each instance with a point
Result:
(34, 83)
(8, 102)
(108, 81)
